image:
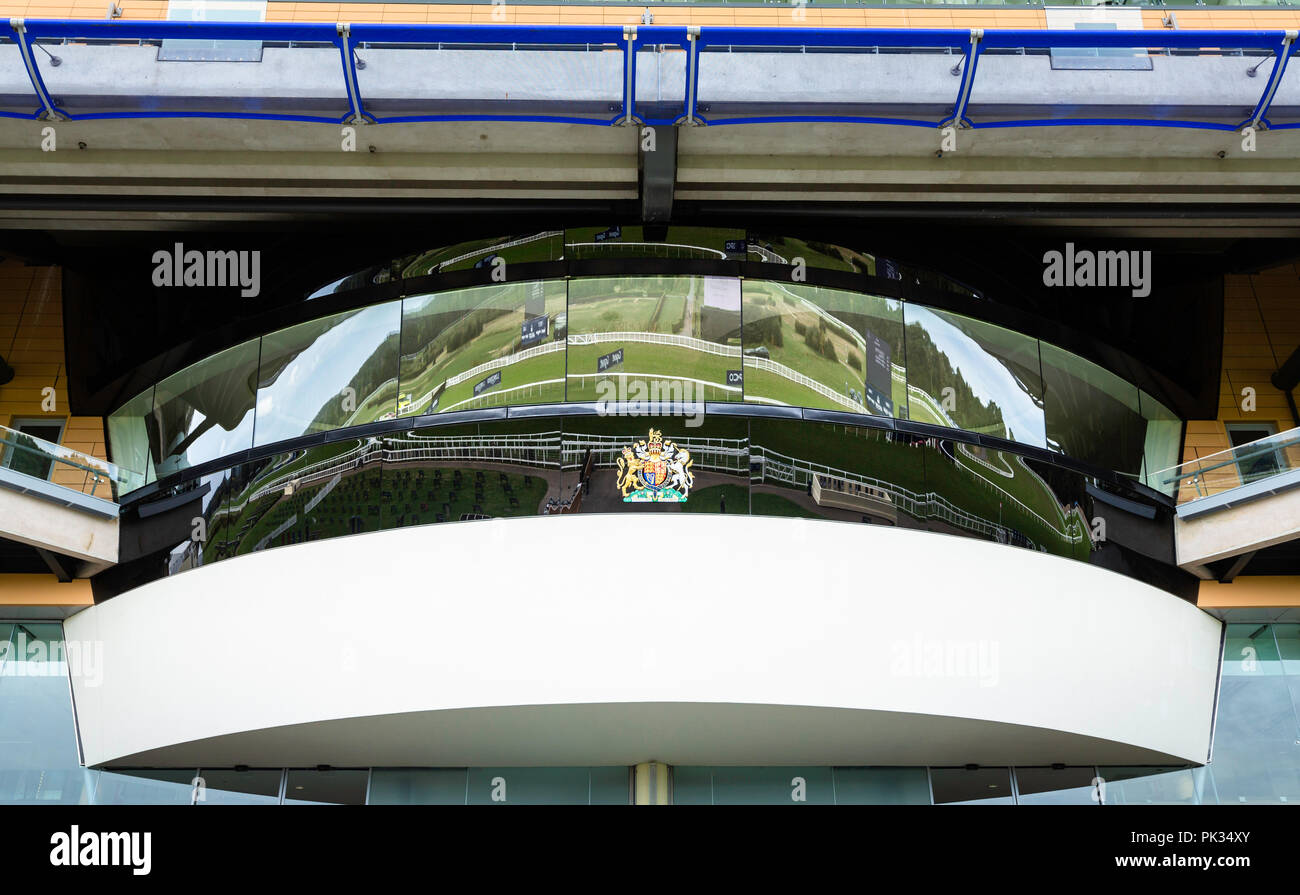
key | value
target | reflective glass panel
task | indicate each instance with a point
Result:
(491, 345)
(308, 495)
(328, 374)
(549, 786)
(771, 786)
(419, 786)
(1092, 414)
(128, 437)
(492, 254)
(333, 787)
(167, 787)
(1256, 757)
(654, 339)
(635, 241)
(461, 473)
(810, 346)
(195, 543)
(972, 375)
(830, 471)
(186, 50)
(1053, 786)
(221, 786)
(881, 786)
(206, 410)
(982, 786)
(1163, 442)
(1000, 496)
(1149, 786)
(361, 279)
(786, 250)
(38, 740)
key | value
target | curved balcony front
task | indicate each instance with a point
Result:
(613, 639)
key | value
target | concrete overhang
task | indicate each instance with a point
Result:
(1237, 522)
(59, 520)
(134, 161)
(543, 641)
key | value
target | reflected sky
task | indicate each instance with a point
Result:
(320, 371)
(987, 375)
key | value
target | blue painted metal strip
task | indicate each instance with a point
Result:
(821, 119)
(1107, 122)
(536, 119)
(117, 29)
(255, 116)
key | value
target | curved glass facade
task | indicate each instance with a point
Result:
(633, 338)
(707, 463)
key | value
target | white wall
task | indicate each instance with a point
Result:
(619, 638)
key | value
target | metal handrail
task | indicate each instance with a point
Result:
(1194, 472)
(13, 441)
(694, 41)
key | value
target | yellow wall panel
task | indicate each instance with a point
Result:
(1261, 329)
(31, 341)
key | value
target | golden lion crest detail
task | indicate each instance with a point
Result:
(654, 471)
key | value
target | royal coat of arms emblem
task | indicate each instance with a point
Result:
(654, 471)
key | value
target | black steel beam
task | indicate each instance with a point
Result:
(658, 151)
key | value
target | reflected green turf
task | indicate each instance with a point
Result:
(656, 363)
(922, 469)
(708, 500)
(497, 339)
(764, 504)
(331, 517)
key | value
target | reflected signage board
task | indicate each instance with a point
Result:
(606, 361)
(534, 330)
(880, 375)
(489, 382)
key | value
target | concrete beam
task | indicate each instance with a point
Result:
(1243, 528)
(68, 532)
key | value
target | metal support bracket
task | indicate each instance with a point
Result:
(970, 60)
(1274, 80)
(629, 77)
(692, 74)
(49, 113)
(350, 74)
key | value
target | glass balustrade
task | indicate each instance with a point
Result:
(36, 458)
(1246, 464)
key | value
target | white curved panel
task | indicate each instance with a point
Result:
(619, 638)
